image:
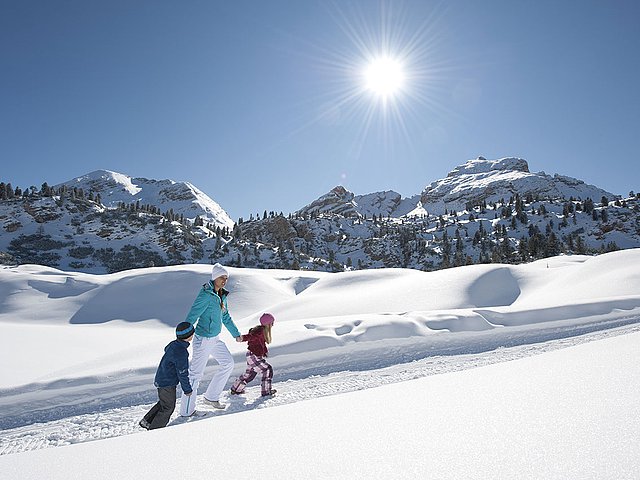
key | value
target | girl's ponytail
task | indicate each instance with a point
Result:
(267, 333)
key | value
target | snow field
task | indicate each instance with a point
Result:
(442, 367)
(567, 413)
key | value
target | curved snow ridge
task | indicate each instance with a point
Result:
(476, 319)
(326, 332)
(583, 312)
(115, 422)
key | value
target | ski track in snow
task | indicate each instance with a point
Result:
(297, 385)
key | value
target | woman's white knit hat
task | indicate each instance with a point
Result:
(218, 270)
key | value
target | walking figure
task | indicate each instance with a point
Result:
(208, 313)
(257, 339)
(173, 369)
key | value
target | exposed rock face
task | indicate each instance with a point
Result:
(338, 200)
(341, 201)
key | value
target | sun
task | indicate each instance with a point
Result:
(380, 74)
(384, 76)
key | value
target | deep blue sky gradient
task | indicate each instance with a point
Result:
(242, 98)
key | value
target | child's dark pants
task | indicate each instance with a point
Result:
(160, 413)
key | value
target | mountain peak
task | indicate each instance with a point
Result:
(491, 180)
(181, 197)
(337, 200)
(340, 191)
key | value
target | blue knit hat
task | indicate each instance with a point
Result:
(184, 330)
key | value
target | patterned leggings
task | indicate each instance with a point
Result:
(255, 364)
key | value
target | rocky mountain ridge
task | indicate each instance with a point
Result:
(482, 211)
(474, 181)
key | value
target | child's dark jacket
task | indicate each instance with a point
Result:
(257, 342)
(174, 366)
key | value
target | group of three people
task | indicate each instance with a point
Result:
(203, 326)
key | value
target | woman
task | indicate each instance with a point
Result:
(210, 311)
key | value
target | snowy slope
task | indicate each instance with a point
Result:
(569, 413)
(326, 322)
(315, 310)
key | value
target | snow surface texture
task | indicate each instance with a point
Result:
(81, 363)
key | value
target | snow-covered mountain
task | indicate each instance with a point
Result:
(483, 211)
(181, 197)
(492, 180)
(470, 183)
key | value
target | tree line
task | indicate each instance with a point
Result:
(8, 192)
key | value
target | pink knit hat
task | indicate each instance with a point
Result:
(267, 319)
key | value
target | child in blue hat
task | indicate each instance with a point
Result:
(173, 368)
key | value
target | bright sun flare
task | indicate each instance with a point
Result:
(384, 76)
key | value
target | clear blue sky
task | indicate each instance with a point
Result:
(261, 105)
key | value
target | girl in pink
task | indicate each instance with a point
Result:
(257, 339)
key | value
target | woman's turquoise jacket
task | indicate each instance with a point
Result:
(210, 311)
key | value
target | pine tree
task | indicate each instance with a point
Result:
(523, 251)
(459, 244)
